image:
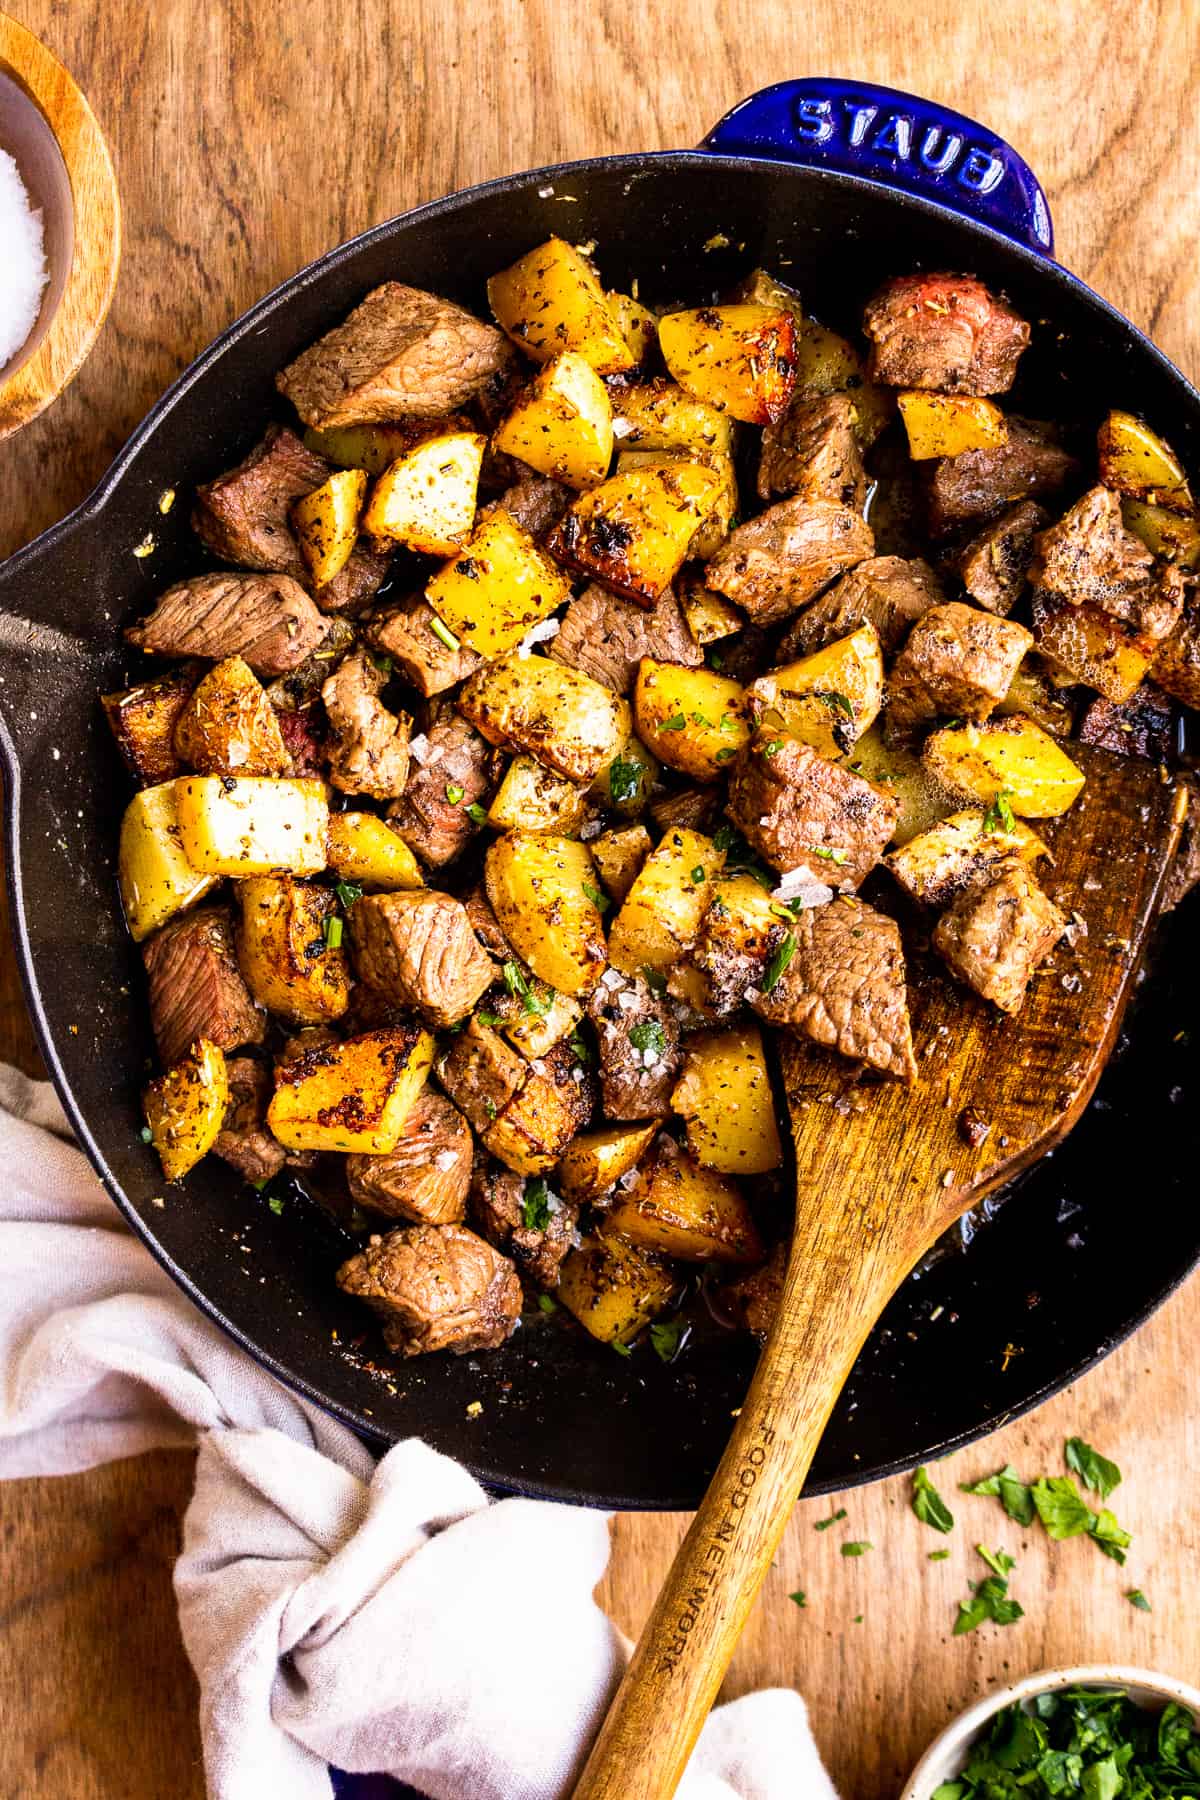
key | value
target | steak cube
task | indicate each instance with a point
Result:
(267, 620)
(887, 592)
(970, 489)
(844, 987)
(606, 637)
(773, 564)
(812, 452)
(801, 812)
(947, 332)
(369, 753)
(448, 756)
(957, 661)
(1143, 725)
(427, 1177)
(407, 633)
(1177, 666)
(995, 934)
(436, 1287)
(995, 565)
(243, 1140)
(1089, 559)
(196, 988)
(420, 949)
(536, 502)
(638, 1038)
(481, 1073)
(501, 1203)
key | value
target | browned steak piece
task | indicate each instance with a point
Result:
(436, 1287)
(402, 353)
(1185, 870)
(754, 1299)
(744, 656)
(196, 987)
(844, 987)
(486, 925)
(957, 662)
(1177, 665)
(449, 756)
(369, 750)
(243, 1139)
(481, 1072)
(773, 564)
(420, 949)
(304, 741)
(812, 452)
(143, 720)
(267, 620)
(995, 934)
(885, 591)
(422, 657)
(427, 1177)
(536, 503)
(244, 517)
(606, 637)
(638, 1037)
(968, 490)
(943, 331)
(685, 808)
(502, 1202)
(732, 952)
(1090, 559)
(995, 565)
(1143, 725)
(800, 811)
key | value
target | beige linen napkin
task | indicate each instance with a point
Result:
(381, 1617)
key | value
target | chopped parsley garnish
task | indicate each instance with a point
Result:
(536, 1005)
(1095, 1471)
(772, 747)
(715, 659)
(444, 633)
(1096, 1743)
(724, 838)
(800, 1597)
(275, 1204)
(382, 663)
(998, 1561)
(833, 856)
(676, 722)
(489, 1107)
(455, 793)
(332, 932)
(1136, 1598)
(348, 892)
(834, 701)
(147, 1135)
(476, 813)
(649, 1036)
(1006, 1485)
(928, 1504)
(1061, 1507)
(727, 722)
(857, 1548)
(725, 754)
(621, 1349)
(624, 779)
(600, 901)
(1109, 1537)
(547, 1303)
(781, 956)
(668, 1336)
(698, 873)
(998, 816)
(538, 1205)
(989, 1601)
(937, 1556)
(656, 981)
(489, 1018)
(579, 1047)
(698, 718)
(833, 1519)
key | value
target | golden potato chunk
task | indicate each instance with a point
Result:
(361, 848)
(155, 877)
(633, 532)
(325, 524)
(185, 1108)
(899, 770)
(426, 499)
(710, 616)
(711, 533)
(948, 424)
(661, 913)
(142, 720)
(1136, 461)
(550, 301)
(534, 798)
(618, 855)
(740, 359)
(1090, 646)
(372, 448)
(229, 727)
(289, 949)
(498, 589)
(1010, 757)
(540, 1120)
(535, 1017)
(696, 720)
(543, 891)
(562, 425)
(351, 1096)
(827, 699)
(572, 724)
(614, 1288)
(682, 1210)
(627, 780)
(938, 863)
(1032, 692)
(659, 415)
(252, 825)
(596, 1160)
(636, 323)
(1169, 535)
(725, 1095)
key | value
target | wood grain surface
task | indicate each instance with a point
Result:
(249, 139)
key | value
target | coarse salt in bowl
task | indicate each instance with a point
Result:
(23, 271)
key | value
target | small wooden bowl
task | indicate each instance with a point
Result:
(48, 126)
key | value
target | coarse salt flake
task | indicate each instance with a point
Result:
(25, 272)
(418, 748)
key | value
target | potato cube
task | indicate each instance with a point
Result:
(252, 825)
(562, 425)
(1169, 535)
(229, 727)
(1137, 462)
(680, 1209)
(636, 323)
(543, 892)
(938, 863)
(498, 589)
(614, 1288)
(550, 301)
(572, 724)
(741, 359)
(898, 769)
(1032, 692)
(948, 424)
(325, 523)
(142, 720)
(361, 848)
(596, 1160)
(1090, 646)
(828, 364)
(541, 1119)
(426, 499)
(155, 877)
(696, 720)
(284, 952)
(351, 1096)
(618, 855)
(374, 447)
(661, 914)
(659, 415)
(633, 532)
(627, 780)
(722, 515)
(536, 1017)
(534, 798)
(185, 1108)
(1010, 757)
(827, 699)
(710, 616)
(725, 1095)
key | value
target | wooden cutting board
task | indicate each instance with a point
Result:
(247, 140)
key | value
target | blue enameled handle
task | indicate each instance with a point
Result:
(895, 139)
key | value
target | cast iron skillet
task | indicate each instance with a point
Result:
(835, 187)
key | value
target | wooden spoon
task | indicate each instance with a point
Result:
(881, 1171)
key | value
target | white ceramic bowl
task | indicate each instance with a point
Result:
(947, 1755)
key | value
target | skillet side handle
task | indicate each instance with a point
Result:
(898, 140)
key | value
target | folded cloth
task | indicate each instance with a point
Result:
(384, 1617)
